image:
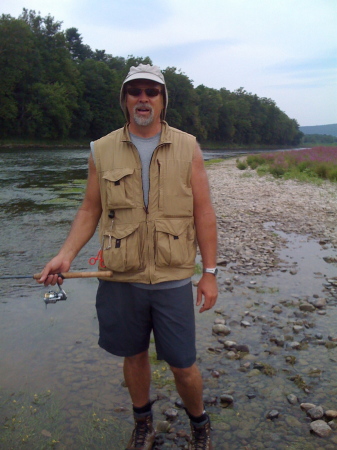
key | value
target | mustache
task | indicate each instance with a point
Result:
(141, 105)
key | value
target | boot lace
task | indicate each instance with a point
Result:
(200, 437)
(140, 432)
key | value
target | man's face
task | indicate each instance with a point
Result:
(144, 101)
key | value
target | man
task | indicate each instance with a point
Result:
(148, 188)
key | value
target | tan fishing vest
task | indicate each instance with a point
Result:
(157, 243)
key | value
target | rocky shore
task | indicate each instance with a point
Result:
(268, 358)
(246, 204)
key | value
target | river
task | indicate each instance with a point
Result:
(58, 389)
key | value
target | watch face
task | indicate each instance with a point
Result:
(213, 271)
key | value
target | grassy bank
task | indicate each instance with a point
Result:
(314, 164)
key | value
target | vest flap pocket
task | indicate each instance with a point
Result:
(174, 227)
(175, 243)
(119, 186)
(122, 251)
(117, 174)
(122, 231)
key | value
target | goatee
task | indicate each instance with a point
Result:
(139, 119)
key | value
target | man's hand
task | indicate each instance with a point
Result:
(207, 289)
(50, 271)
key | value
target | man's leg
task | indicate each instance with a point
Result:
(189, 387)
(137, 375)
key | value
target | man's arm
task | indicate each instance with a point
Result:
(82, 229)
(205, 223)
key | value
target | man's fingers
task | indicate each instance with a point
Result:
(199, 297)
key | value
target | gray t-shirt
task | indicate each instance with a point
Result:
(146, 147)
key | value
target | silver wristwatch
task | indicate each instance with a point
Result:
(213, 271)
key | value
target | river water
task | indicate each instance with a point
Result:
(58, 389)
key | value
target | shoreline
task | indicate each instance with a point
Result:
(246, 203)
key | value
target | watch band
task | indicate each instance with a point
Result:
(214, 270)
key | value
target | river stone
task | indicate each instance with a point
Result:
(307, 307)
(253, 373)
(230, 344)
(330, 345)
(293, 422)
(209, 400)
(273, 414)
(221, 329)
(231, 355)
(306, 406)
(218, 321)
(163, 426)
(315, 413)
(295, 345)
(292, 399)
(333, 425)
(331, 414)
(243, 348)
(171, 413)
(320, 428)
(226, 399)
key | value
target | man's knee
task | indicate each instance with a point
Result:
(136, 360)
(185, 372)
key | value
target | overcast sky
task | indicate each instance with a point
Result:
(285, 50)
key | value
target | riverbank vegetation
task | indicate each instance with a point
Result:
(55, 87)
(314, 164)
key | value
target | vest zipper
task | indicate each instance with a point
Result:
(158, 162)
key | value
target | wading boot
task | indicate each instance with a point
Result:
(201, 437)
(143, 435)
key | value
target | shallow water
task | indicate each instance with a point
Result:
(55, 348)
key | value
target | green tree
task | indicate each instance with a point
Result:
(183, 102)
(49, 112)
(78, 51)
(101, 93)
(17, 61)
(209, 104)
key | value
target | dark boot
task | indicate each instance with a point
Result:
(201, 437)
(143, 435)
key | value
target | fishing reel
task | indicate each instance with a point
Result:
(53, 297)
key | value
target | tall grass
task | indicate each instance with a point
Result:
(317, 163)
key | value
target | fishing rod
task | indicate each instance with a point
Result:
(64, 275)
(52, 296)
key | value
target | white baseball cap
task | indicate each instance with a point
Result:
(144, 72)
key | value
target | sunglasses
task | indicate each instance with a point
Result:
(136, 92)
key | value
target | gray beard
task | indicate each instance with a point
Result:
(140, 120)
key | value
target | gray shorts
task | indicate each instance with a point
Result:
(128, 314)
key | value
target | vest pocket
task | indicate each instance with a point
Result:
(119, 188)
(175, 191)
(122, 250)
(175, 242)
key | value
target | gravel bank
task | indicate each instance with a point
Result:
(247, 205)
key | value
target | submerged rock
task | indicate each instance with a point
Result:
(320, 428)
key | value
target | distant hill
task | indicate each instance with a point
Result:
(321, 129)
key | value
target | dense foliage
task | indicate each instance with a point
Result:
(308, 164)
(52, 86)
(319, 139)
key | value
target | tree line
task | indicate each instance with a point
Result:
(53, 86)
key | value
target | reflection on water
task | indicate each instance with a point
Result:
(55, 348)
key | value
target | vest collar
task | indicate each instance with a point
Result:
(165, 136)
